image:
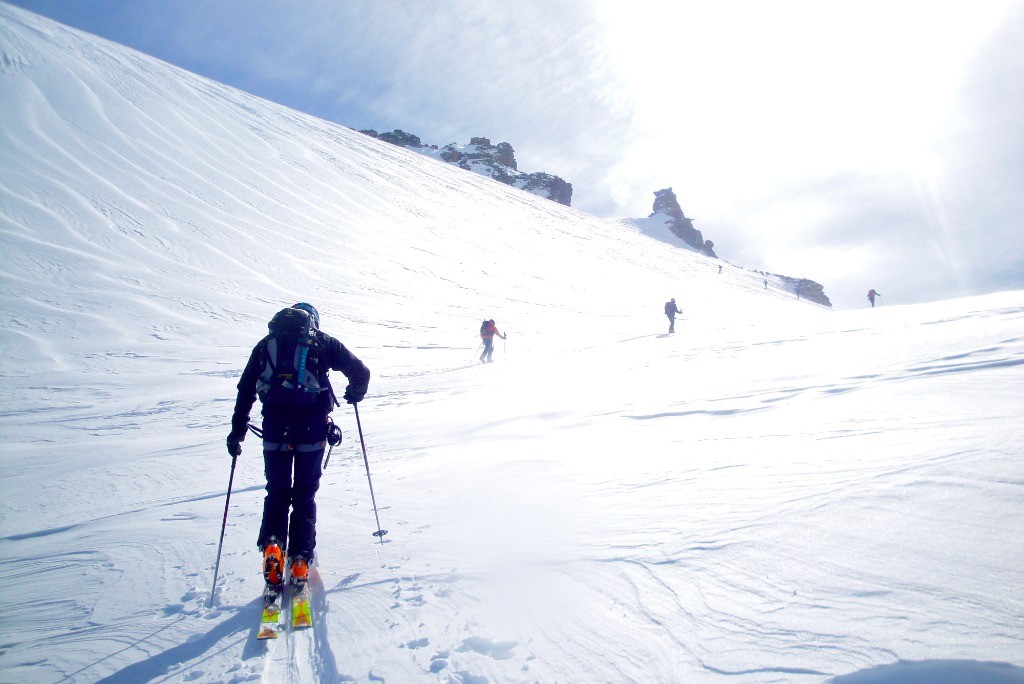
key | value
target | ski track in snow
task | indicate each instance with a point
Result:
(304, 655)
(776, 493)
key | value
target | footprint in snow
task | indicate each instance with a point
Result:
(499, 650)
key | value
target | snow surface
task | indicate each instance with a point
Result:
(776, 493)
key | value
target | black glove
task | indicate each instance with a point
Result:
(353, 396)
(235, 443)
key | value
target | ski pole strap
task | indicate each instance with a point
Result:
(255, 430)
(330, 390)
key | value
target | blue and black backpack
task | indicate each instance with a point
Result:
(294, 374)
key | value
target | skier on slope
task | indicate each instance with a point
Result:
(871, 296)
(296, 407)
(671, 310)
(487, 332)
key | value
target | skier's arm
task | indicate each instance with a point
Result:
(341, 359)
(246, 394)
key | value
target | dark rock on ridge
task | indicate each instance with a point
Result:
(665, 202)
(483, 157)
(805, 289)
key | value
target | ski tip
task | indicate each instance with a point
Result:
(267, 633)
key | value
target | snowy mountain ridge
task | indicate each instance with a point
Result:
(778, 492)
(667, 222)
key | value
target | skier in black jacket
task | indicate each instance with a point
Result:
(671, 310)
(293, 436)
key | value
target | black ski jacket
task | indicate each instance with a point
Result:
(297, 426)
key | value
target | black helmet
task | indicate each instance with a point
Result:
(311, 310)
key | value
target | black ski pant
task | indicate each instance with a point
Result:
(293, 478)
(671, 322)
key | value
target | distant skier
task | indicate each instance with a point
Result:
(487, 332)
(871, 297)
(297, 398)
(766, 284)
(719, 268)
(671, 310)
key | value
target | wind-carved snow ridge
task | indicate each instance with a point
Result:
(774, 493)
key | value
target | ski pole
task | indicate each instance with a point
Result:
(379, 533)
(223, 526)
(477, 349)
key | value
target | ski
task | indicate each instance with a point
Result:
(270, 618)
(273, 575)
(302, 616)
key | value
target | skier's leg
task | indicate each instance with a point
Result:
(303, 519)
(278, 469)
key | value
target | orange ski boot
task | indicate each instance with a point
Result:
(273, 564)
(299, 571)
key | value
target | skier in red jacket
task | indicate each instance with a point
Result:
(487, 332)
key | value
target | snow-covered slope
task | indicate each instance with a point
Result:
(776, 493)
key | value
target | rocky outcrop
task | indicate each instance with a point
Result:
(497, 161)
(805, 289)
(665, 202)
(483, 157)
(500, 157)
(398, 137)
(551, 187)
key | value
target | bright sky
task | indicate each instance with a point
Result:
(875, 144)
